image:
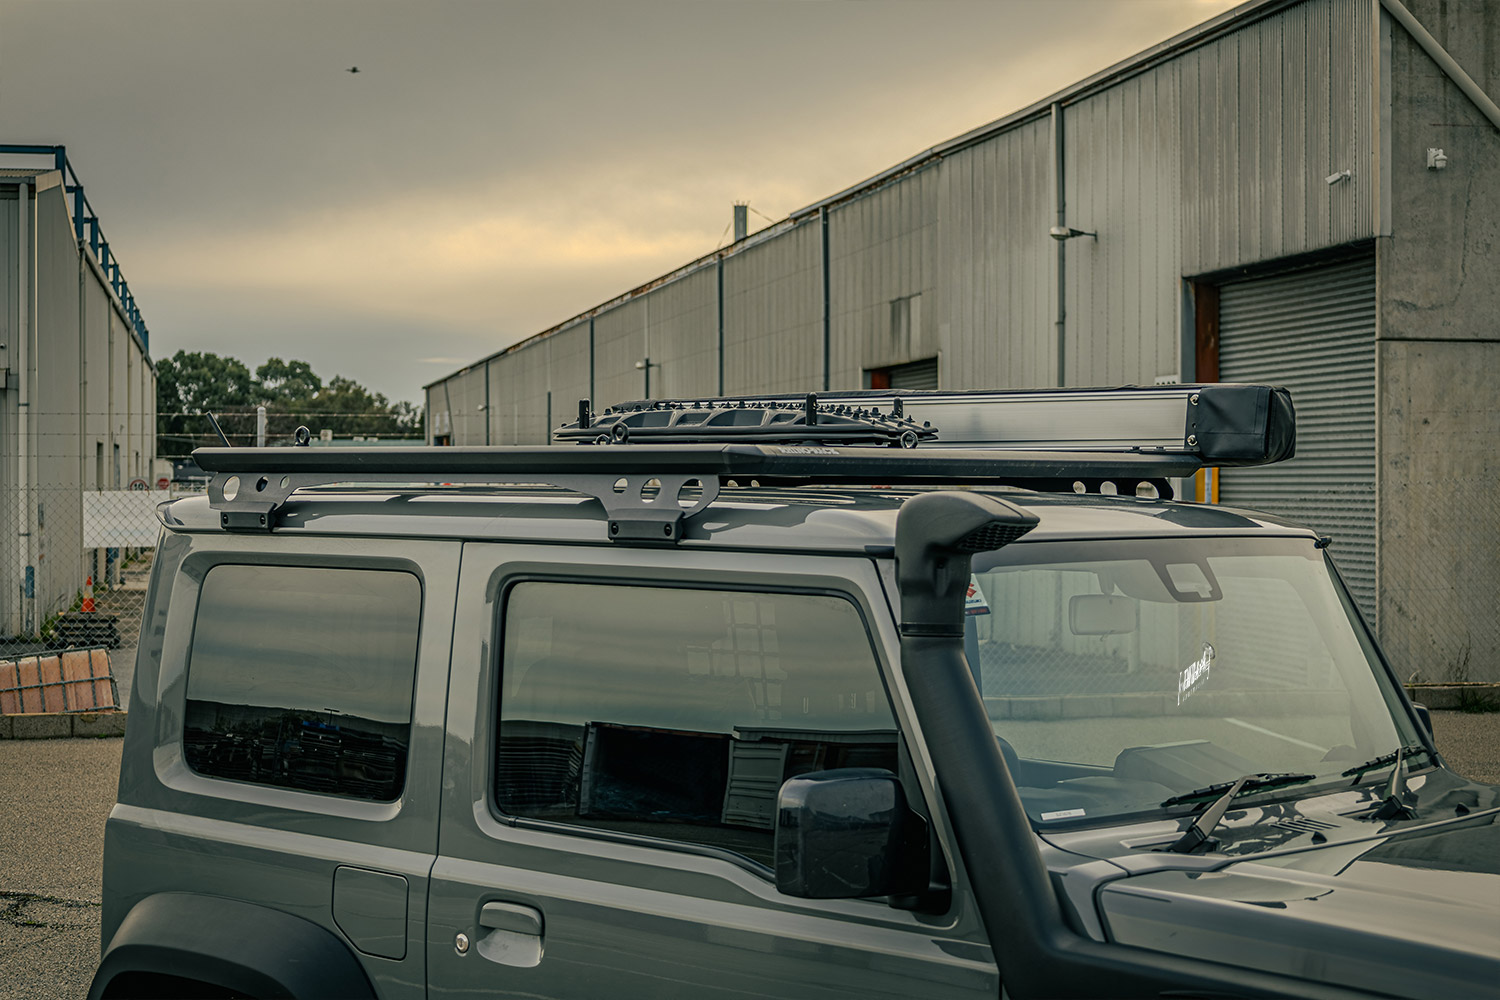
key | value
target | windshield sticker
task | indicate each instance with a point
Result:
(1062, 814)
(1194, 674)
(974, 603)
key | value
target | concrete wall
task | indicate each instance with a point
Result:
(1438, 366)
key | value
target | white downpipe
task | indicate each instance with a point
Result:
(23, 406)
(1445, 62)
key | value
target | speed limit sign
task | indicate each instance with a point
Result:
(139, 484)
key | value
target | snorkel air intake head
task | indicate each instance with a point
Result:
(937, 534)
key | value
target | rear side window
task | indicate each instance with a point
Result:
(301, 677)
(678, 713)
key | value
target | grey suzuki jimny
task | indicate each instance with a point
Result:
(865, 694)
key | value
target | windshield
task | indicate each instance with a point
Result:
(1118, 674)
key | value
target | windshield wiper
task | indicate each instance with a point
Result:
(1198, 834)
(1375, 763)
(1393, 803)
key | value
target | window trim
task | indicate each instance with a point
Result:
(490, 692)
(196, 567)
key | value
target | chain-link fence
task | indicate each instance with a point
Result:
(74, 566)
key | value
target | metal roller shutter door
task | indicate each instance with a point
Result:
(917, 375)
(1312, 331)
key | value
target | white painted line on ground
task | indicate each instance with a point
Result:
(1279, 736)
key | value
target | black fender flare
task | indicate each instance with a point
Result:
(240, 946)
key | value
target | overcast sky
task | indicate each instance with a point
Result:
(495, 167)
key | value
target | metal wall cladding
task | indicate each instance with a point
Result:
(520, 397)
(568, 373)
(1268, 113)
(881, 252)
(773, 313)
(462, 395)
(995, 273)
(1313, 331)
(682, 335)
(1123, 183)
(619, 343)
(55, 401)
(432, 406)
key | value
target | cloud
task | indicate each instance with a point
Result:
(446, 258)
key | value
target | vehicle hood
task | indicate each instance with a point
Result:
(1414, 914)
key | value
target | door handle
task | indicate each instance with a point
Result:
(511, 934)
(511, 917)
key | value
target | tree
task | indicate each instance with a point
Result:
(286, 384)
(346, 407)
(191, 383)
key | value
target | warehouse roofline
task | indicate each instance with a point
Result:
(90, 237)
(1140, 62)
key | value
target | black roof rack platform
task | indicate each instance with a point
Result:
(647, 490)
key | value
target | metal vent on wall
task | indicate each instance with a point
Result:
(1312, 331)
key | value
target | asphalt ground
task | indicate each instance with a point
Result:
(54, 798)
(56, 794)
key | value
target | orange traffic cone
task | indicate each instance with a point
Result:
(88, 596)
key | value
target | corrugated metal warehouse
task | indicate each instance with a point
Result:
(1301, 192)
(78, 412)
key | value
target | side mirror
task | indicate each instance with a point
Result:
(846, 834)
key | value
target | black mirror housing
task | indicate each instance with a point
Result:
(847, 834)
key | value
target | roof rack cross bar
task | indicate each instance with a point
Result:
(639, 507)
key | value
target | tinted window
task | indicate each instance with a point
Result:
(302, 677)
(678, 713)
